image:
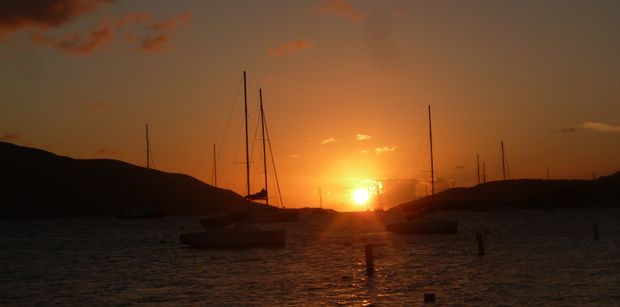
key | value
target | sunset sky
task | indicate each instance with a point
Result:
(345, 86)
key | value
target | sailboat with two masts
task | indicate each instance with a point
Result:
(268, 214)
(238, 233)
(424, 222)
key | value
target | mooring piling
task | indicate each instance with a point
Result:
(595, 228)
(429, 298)
(481, 251)
(370, 260)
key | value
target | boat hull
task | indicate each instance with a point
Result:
(205, 239)
(424, 227)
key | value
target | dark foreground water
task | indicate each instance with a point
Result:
(533, 258)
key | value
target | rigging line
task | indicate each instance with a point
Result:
(275, 173)
(219, 154)
(254, 139)
(152, 159)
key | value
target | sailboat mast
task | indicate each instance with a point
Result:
(478, 166)
(320, 199)
(214, 168)
(148, 149)
(430, 132)
(503, 162)
(247, 150)
(262, 121)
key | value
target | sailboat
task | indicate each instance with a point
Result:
(231, 230)
(424, 222)
(146, 210)
(268, 214)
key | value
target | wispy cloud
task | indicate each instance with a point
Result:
(459, 167)
(44, 14)
(9, 136)
(384, 149)
(363, 151)
(329, 140)
(600, 127)
(295, 155)
(289, 48)
(105, 151)
(74, 42)
(341, 8)
(362, 137)
(565, 130)
(160, 33)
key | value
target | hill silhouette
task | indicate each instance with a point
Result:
(525, 193)
(37, 183)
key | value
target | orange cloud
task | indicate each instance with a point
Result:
(289, 47)
(342, 8)
(17, 14)
(328, 140)
(74, 43)
(9, 137)
(600, 127)
(362, 137)
(380, 150)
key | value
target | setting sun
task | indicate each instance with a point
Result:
(360, 196)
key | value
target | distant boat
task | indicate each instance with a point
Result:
(236, 233)
(422, 222)
(145, 211)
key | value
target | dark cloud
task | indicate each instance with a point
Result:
(74, 42)
(459, 167)
(9, 137)
(159, 33)
(18, 14)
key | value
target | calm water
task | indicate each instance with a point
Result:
(533, 258)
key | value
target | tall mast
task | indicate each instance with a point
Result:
(247, 150)
(214, 168)
(148, 148)
(503, 162)
(430, 133)
(478, 166)
(262, 121)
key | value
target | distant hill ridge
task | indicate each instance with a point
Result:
(526, 193)
(37, 183)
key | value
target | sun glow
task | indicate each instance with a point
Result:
(360, 196)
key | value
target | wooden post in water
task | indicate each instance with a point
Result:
(596, 236)
(480, 244)
(429, 298)
(370, 260)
